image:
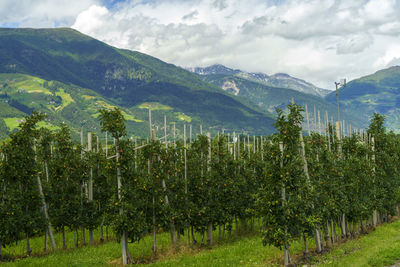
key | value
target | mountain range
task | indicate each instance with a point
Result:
(69, 76)
(86, 71)
(253, 86)
(280, 80)
(378, 92)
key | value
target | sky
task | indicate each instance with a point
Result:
(320, 41)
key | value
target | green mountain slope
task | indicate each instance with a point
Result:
(268, 98)
(20, 94)
(126, 78)
(378, 92)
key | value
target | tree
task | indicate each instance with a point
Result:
(113, 121)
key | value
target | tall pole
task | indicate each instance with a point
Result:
(337, 101)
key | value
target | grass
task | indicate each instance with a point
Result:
(26, 83)
(13, 123)
(154, 106)
(246, 250)
(66, 99)
(48, 125)
(379, 248)
(88, 97)
(183, 117)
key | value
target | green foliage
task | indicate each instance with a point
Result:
(293, 183)
(112, 121)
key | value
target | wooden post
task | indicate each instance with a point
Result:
(283, 198)
(190, 134)
(319, 122)
(185, 173)
(90, 186)
(44, 205)
(210, 223)
(150, 125)
(234, 146)
(375, 213)
(315, 119)
(165, 131)
(174, 134)
(308, 122)
(124, 244)
(106, 144)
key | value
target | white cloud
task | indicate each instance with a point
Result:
(41, 13)
(317, 40)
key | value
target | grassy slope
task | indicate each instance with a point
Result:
(379, 248)
(126, 78)
(75, 105)
(378, 92)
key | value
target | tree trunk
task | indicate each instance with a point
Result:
(286, 255)
(128, 254)
(343, 225)
(63, 237)
(333, 232)
(375, 218)
(28, 246)
(327, 239)
(91, 240)
(178, 236)
(318, 239)
(243, 225)
(210, 234)
(194, 242)
(363, 229)
(77, 238)
(45, 241)
(355, 230)
(236, 226)
(83, 236)
(124, 245)
(305, 247)
(124, 249)
(154, 230)
(46, 215)
(101, 234)
(348, 230)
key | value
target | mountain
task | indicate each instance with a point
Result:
(269, 98)
(281, 80)
(378, 92)
(77, 63)
(214, 69)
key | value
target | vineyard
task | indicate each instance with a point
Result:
(328, 185)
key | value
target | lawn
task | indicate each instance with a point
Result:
(379, 248)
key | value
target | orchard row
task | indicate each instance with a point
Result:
(296, 187)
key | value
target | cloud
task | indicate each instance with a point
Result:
(41, 13)
(316, 40)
